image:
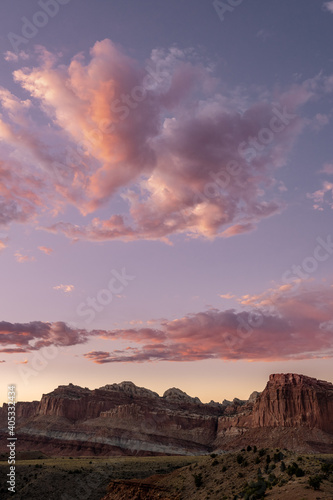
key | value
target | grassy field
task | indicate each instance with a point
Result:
(80, 478)
(277, 474)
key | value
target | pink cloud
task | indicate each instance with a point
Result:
(288, 325)
(33, 336)
(46, 250)
(279, 324)
(23, 258)
(64, 288)
(164, 137)
(322, 197)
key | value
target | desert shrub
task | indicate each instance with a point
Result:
(282, 466)
(327, 468)
(224, 468)
(273, 479)
(257, 460)
(291, 469)
(213, 455)
(254, 449)
(299, 472)
(268, 459)
(240, 459)
(255, 490)
(262, 452)
(198, 480)
(215, 462)
(315, 482)
(278, 457)
(249, 448)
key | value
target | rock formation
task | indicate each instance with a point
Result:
(293, 410)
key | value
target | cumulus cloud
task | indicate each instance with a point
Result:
(64, 288)
(186, 154)
(26, 337)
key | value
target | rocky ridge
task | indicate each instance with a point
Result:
(295, 410)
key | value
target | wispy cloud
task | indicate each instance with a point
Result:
(328, 6)
(64, 288)
(46, 250)
(2, 244)
(23, 258)
(15, 57)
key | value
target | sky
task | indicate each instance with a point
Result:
(166, 194)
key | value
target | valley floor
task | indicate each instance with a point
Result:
(277, 474)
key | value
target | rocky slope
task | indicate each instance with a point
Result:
(293, 410)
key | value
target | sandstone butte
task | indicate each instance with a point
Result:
(293, 411)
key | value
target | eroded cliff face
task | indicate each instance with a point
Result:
(125, 419)
(291, 400)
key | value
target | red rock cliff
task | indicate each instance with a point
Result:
(291, 400)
